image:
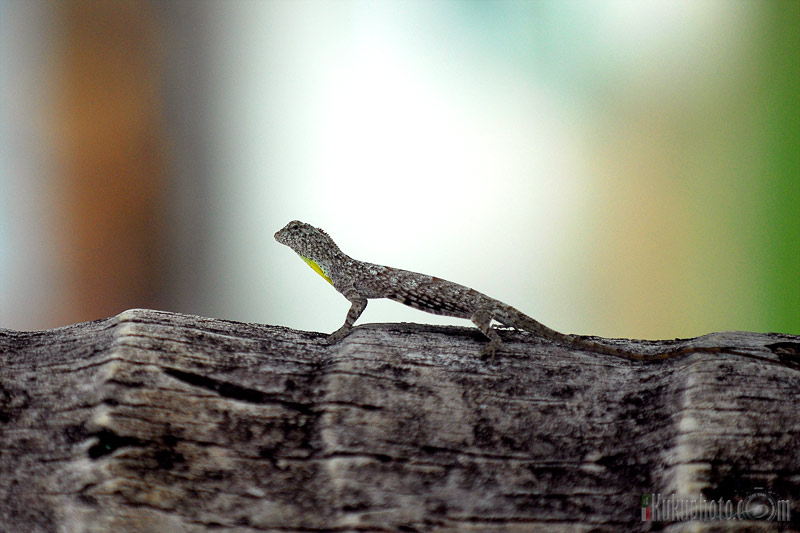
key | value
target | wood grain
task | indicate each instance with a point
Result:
(155, 421)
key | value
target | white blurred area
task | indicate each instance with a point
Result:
(29, 278)
(559, 156)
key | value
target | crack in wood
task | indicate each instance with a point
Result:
(235, 392)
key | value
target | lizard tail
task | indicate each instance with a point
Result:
(509, 316)
(512, 317)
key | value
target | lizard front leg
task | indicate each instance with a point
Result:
(483, 319)
(358, 304)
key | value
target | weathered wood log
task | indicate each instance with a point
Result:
(155, 421)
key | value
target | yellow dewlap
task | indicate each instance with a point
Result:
(316, 268)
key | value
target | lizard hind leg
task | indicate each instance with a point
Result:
(483, 319)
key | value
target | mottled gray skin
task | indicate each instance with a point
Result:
(358, 281)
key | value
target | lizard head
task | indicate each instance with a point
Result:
(312, 244)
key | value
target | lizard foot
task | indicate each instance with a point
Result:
(489, 351)
(337, 335)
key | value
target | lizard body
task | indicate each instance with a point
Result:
(359, 281)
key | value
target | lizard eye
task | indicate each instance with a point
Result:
(294, 227)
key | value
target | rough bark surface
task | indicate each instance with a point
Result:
(155, 421)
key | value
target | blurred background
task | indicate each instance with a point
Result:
(618, 168)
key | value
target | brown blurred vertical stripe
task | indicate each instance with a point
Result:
(112, 155)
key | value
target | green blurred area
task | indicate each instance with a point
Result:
(780, 232)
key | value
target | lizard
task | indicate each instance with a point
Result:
(359, 281)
